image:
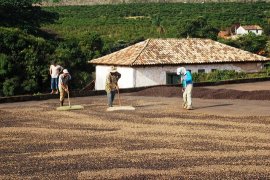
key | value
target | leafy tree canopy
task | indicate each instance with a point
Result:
(18, 3)
(22, 14)
(198, 28)
(23, 62)
(249, 42)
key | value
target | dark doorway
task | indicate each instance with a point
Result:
(172, 78)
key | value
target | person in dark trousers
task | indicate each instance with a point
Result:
(111, 84)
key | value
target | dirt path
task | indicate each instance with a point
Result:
(157, 141)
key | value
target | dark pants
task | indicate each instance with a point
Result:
(110, 96)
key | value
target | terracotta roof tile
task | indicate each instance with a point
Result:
(252, 27)
(177, 51)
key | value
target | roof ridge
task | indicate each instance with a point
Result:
(147, 41)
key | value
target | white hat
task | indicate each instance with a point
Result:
(181, 70)
(113, 69)
(65, 71)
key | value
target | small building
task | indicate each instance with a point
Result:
(247, 29)
(154, 61)
(229, 32)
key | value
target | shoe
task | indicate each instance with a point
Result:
(52, 92)
(56, 92)
(189, 108)
(184, 105)
(61, 103)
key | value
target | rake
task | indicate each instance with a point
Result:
(120, 107)
(69, 107)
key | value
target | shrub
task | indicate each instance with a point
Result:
(218, 75)
(3, 64)
(25, 56)
(11, 86)
(30, 85)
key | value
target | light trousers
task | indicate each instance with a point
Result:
(62, 94)
(187, 95)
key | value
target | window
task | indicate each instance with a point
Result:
(172, 78)
(201, 70)
(266, 65)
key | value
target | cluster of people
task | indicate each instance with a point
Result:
(59, 81)
(186, 80)
(61, 76)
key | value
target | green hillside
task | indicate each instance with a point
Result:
(99, 2)
(127, 22)
(31, 37)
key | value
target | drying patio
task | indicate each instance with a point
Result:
(219, 139)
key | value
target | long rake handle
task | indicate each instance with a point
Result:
(68, 99)
(119, 100)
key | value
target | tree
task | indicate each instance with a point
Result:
(92, 45)
(3, 65)
(268, 47)
(11, 86)
(25, 58)
(252, 43)
(249, 42)
(22, 14)
(74, 54)
(198, 28)
(156, 21)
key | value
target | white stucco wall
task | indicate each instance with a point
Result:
(156, 75)
(257, 32)
(126, 80)
(241, 31)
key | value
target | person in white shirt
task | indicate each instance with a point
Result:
(54, 72)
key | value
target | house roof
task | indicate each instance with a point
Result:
(252, 27)
(223, 34)
(175, 52)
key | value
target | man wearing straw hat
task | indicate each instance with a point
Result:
(112, 84)
(63, 85)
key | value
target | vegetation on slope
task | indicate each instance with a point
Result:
(31, 36)
(129, 21)
(98, 2)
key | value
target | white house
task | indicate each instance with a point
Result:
(247, 29)
(154, 61)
